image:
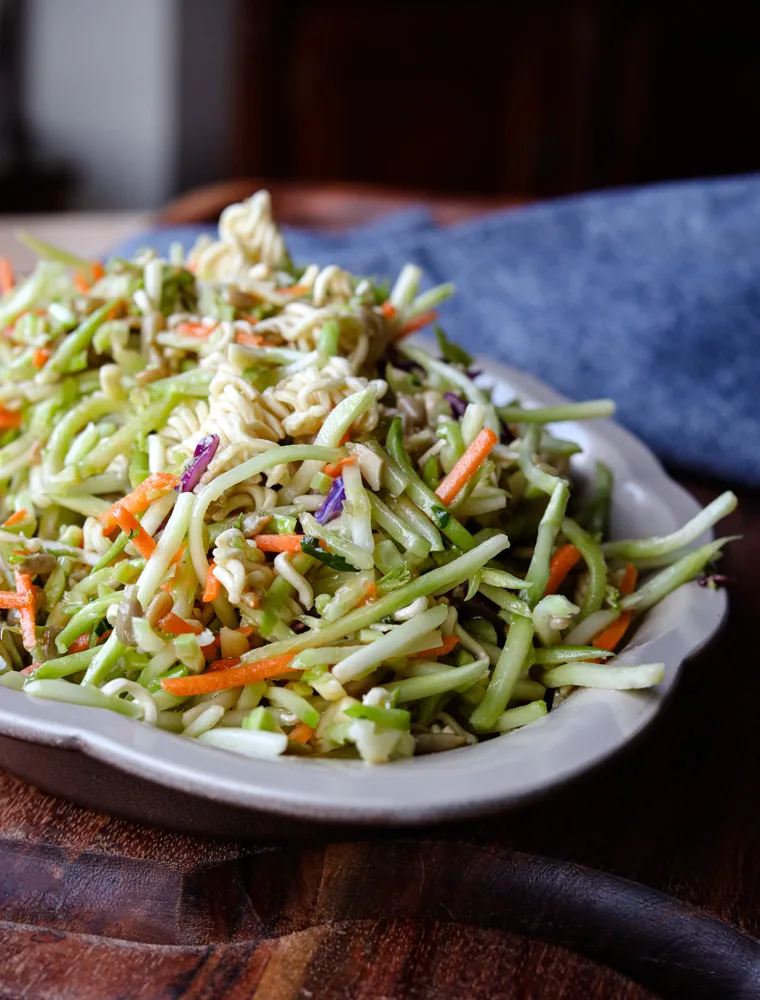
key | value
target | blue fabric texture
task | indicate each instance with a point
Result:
(650, 296)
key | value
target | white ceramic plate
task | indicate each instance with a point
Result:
(581, 732)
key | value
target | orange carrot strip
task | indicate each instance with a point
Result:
(213, 586)
(612, 635)
(449, 642)
(223, 680)
(26, 613)
(226, 664)
(561, 563)
(610, 638)
(9, 419)
(7, 280)
(249, 339)
(198, 330)
(16, 518)
(81, 283)
(370, 593)
(140, 498)
(278, 543)
(417, 323)
(13, 599)
(98, 271)
(294, 290)
(79, 645)
(301, 733)
(210, 651)
(41, 357)
(346, 437)
(388, 309)
(628, 583)
(335, 470)
(178, 626)
(246, 630)
(138, 535)
(467, 465)
(102, 638)
(178, 554)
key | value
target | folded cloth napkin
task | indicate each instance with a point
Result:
(650, 296)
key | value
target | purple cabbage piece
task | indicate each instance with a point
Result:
(333, 505)
(473, 373)
(457, 404)
(204, 452)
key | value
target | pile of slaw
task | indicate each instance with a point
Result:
(240, 505)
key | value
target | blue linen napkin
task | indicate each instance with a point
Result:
(650, 296)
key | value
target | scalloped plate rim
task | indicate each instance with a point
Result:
(316, 792)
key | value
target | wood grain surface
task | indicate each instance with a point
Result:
(528, 905)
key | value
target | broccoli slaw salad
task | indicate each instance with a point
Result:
(240, 505)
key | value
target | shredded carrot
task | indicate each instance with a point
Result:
(81, 283)
(612, 635)
(335, 470)
(179, 626)
(449, 642)
(79, 645)
(294, 290)
(137, 534)
(561, 563)
(467, 465)
(346, 438)
(223, 680)
(98, 271)
(628, 583)
(16, 518)
(388, 309)
(249, 339)
(610, 638)
(178, 554)
(301, 733)
(7, 280)
(198, 330)
(9, 419)
(226, 664)
(13, 599)
(210, 650)
(417, 323)
(140, 498)
(40, 357)
(370, 593)
(278, 543)
(213, 587)
(26, 612)
(102, 638)
(246, 630)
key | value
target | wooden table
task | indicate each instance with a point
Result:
(96, 908)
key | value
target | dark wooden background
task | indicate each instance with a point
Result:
(529, 99)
